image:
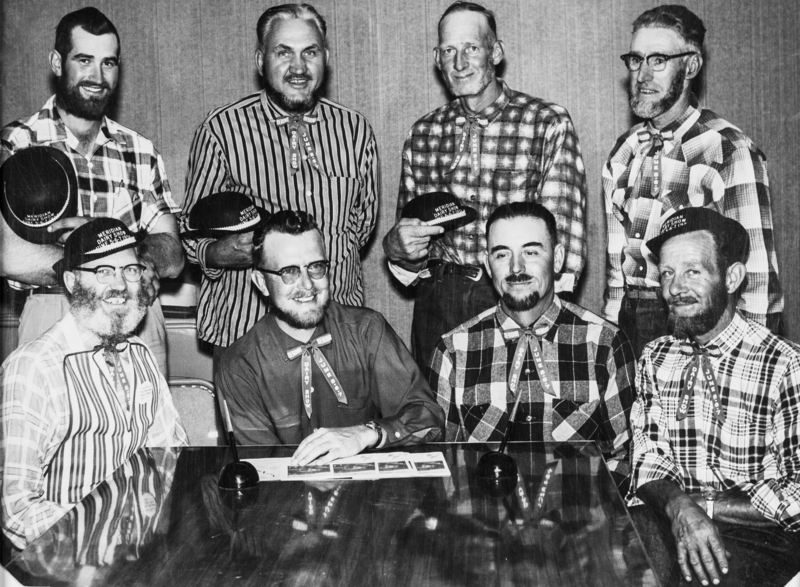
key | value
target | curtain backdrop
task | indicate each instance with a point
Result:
(182, 58)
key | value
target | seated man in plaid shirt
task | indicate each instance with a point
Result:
(715, 424)
(574, 370)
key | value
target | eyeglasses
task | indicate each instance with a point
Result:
(106, 273)
(656, 61)
(290, 274)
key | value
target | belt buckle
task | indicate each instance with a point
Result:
(474, 273)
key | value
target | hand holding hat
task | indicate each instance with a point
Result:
(440, 209)
(222, 214)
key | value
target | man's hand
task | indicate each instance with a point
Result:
(67, 225)
(408, 242)
(327, 444)
(698, 541)
(232, 251)
(150, 280)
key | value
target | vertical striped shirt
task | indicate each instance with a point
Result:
(63, 429)
(245, 147)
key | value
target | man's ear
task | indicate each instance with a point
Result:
(693, 66)
(55, 62)
(260, 282)
(486, 264)
(734, 277)
(69, 280)
(437, 58)
(259, 59)
(498, 52)
(558, 258)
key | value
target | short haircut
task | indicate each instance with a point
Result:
(289, 12)
(470, 7)
(293, 222)
(91, 20)
(525, 210)
(676, 17)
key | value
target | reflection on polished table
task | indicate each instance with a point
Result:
(161, 520)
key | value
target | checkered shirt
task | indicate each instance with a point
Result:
(709, 163)
(529, 152)
(756, 450)
(590, 363)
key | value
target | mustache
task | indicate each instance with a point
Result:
(297, 76)
(101, 85)
(117, 293)
(683, 301)
(518, 278)
(306, 293)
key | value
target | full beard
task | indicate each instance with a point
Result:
(287, 104)
(113, 328)
(302, 321)
(70, 99)
(702, 322)
(648, 110)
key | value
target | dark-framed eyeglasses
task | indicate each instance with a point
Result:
(106, 273)
(656, 61)
(291, 273)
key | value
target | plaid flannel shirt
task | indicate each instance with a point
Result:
(708, 163)
(589, 361)
(756, 449)
(529, 151)
(36, 419)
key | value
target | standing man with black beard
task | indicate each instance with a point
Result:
(287, 148)
(570, 372)
(679, 156)
(334, 379)
(79, 401)
(120, 175)
(716, 425)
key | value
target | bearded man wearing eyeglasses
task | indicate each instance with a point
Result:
(80, 400)
(679, 156)
(334, 379)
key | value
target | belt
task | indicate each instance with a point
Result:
(633, 292)
(54, 290)
(471, 271)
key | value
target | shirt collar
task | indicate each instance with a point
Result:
(730, 337)
(491, 111)
(274, 113)
(680, 125)
(545, 326)
(284, 342)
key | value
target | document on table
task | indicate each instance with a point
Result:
(364, 466)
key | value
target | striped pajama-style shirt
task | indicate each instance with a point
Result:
(243, 148)
(63, 429)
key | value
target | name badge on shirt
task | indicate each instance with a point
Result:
(145, 393)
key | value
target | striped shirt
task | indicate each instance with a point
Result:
(708, 163)
(528, 151)
(245, 147)
(756, 449)
(590, 363)
(57, 399)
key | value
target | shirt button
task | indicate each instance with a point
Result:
(397, 435)
(308, 194)
(472, 198)
(529, 418)
(527, 371)
(90, 165)
(638, 235)
(641, 268)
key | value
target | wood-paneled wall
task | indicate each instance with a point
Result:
(181, 58)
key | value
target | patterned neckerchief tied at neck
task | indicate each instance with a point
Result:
(312, 349)
(300, 139)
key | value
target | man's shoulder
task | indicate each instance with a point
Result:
(484, 320)
(624, 138)
(24, 131)
(130, 136)
(543, 110)
(48, 349)
(327, 104)
(437, 116)
(709, 121)
(358, 316)
(242, 105)
(775, 348)
(598, 329)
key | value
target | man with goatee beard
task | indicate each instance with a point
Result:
(679, 156)
(120, 175)
(716, 424)
(334, 379)
(80, 400)
(286, 147)
(534, 367)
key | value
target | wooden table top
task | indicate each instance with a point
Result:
(162, 520)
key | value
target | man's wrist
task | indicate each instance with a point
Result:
(375, 427)
(412, 266)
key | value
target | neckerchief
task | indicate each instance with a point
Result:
(470, 141)
(300, 139)
(311, 348)
(700, 363)
(656, 139)
(527, 340)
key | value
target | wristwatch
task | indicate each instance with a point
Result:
(376, 426)
(710, 495)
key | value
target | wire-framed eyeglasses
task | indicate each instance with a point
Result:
(291, 273)
(106, 273)
(656, 61)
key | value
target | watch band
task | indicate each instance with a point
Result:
(710, 495)
(376, 426)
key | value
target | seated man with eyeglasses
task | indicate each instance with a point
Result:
(334, 379)
(679, 156)
(80, 400)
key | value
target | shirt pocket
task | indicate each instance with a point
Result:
(574, 421)
(484, 422)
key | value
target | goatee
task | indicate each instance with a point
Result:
(522, 304)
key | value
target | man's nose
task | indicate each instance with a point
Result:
(517, 264)
(298, 64)
(460, 61)
(645, 72)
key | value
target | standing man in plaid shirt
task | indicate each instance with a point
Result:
(716, 425)
(679, 156)
(489, 146)
(573, 369)
(120, 175)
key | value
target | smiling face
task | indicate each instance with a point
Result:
(292, 63)
(302, 304)
(467, 56)
(522, 263)
(110, 311)
(88, 75)
(661, 95)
